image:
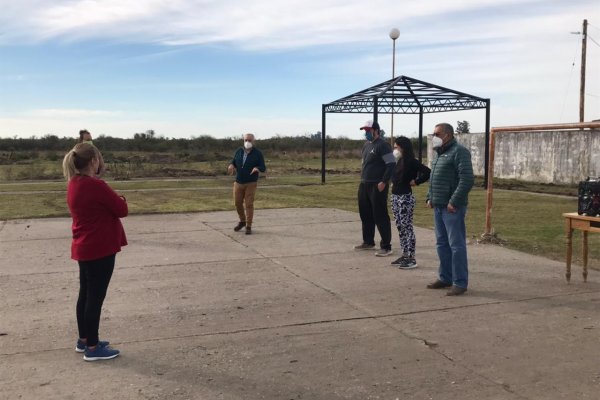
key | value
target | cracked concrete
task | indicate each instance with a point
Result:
(291, 312)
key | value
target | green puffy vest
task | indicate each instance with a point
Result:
(451, 176)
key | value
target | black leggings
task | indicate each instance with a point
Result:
(94, 277)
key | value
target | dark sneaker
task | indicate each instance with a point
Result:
(456, 291)
(408, 263)
(239, 226)
(364, 246)
(398, 261)
(438, 285)
(248, 230)
(100, 353)
(80, 347)
(384, 252)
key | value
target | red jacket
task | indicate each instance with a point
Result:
(96, 209)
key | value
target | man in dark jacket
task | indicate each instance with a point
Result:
(377, 167)
(450, 182)
(86, 137)
(247, 163)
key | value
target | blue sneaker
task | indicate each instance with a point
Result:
(100, 353)
(80, 347)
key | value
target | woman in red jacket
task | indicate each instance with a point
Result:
(97, 236)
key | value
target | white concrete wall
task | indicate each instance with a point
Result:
(545, 156)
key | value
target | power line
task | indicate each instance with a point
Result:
(570, 78)
(592, 39)
(594, 26)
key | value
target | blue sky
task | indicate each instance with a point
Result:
(198, 67)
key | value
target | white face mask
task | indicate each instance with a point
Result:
(247, 145)
(397, 154)
(437, 142)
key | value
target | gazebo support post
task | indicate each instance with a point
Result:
(487, 143)
(323, 144)
(420, 134)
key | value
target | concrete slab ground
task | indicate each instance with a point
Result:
(291, 312)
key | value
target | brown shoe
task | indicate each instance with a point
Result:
(248, 230)
(438, 285)
(239, 226)
(456, 291)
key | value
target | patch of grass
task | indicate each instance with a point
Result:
(529, 222)
(30, 171)
(186, 183)
(549, 188)
(132, 167)
(177, 201)
(18, 206)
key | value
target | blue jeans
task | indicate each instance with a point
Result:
(451, 245)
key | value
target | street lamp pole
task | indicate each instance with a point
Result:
(394, 34)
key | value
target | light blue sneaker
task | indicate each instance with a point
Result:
(100, 353)
(80, 347)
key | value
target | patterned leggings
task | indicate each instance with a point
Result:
(403, 207)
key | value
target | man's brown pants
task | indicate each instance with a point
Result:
(244, 193)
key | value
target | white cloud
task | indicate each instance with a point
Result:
(258, 24)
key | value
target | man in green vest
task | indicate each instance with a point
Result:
(449, 185)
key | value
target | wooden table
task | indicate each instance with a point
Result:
(585, 224)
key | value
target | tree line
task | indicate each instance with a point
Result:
(149, 142)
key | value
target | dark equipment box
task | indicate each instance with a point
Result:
(589, 197)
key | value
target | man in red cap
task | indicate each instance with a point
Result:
(377, 167)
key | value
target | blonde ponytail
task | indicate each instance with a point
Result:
(68, 165)
(77, 159)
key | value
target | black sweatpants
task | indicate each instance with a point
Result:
(94, 277)
(373, 209)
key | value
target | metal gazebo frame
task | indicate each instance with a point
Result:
(405, 95)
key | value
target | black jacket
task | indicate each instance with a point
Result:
(377, 162)
(243, 169)
(405, 172)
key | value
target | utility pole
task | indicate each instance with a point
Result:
(582, 86)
